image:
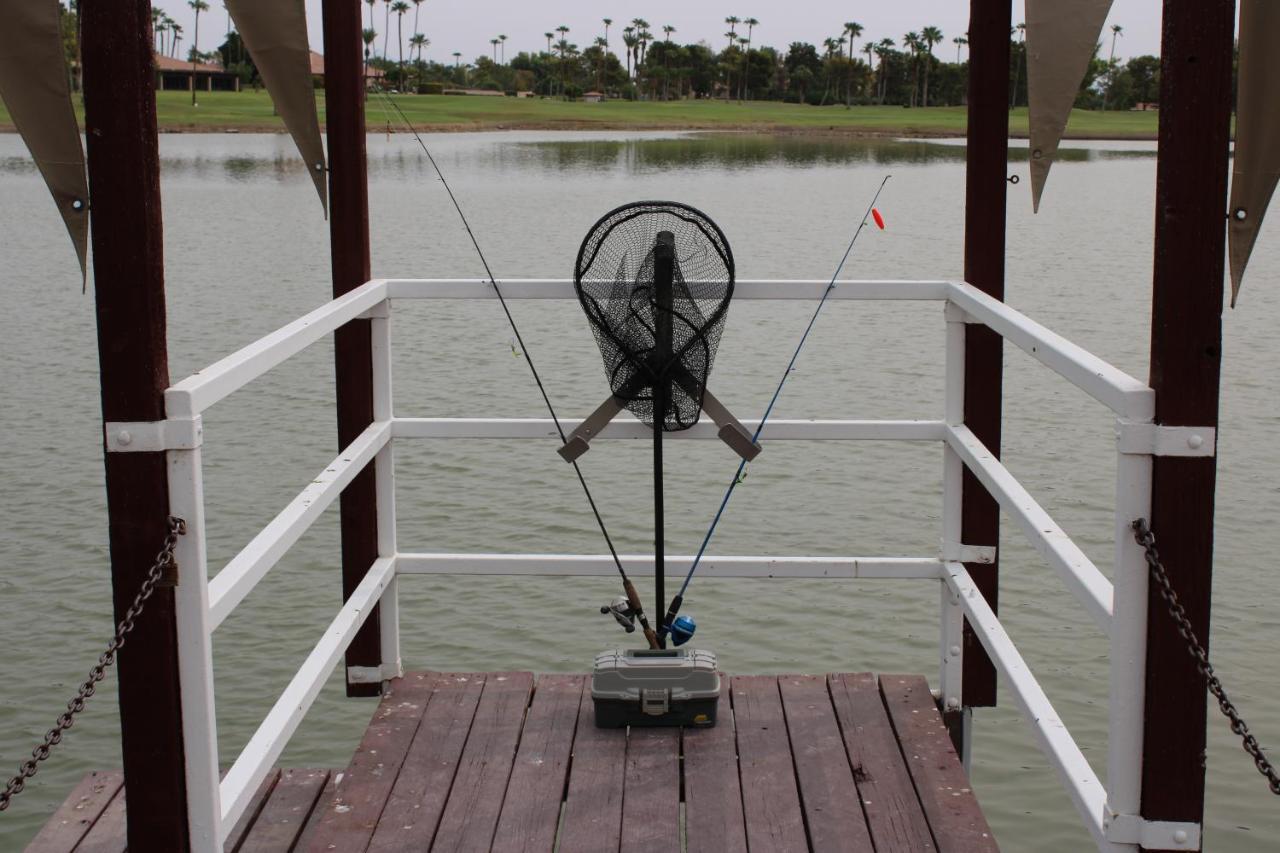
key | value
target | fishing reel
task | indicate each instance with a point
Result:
(621, 610)
(680, 631)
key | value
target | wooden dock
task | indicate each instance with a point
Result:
(510, 762)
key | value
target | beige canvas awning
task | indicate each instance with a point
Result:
(35, 88)
(1062, 36)
(1257, 158)
(275, 33)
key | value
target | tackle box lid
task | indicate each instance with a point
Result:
(624, 673)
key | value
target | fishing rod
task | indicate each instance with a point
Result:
(678, 600)
(634, 608)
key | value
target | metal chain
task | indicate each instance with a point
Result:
(164, 560)
(1142, 533)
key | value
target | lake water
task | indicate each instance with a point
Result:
(246, 251)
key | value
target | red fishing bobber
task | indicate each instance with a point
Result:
(875, 214)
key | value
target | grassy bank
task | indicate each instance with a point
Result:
(249, 111)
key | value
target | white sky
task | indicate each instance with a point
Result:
(467, 25)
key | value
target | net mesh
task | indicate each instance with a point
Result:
(655, 279)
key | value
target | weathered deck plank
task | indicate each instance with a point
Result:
(952, 810)
(499, 762)
(354, 798)
(77, 815)
(419, 794)
(651, 792)
(475, 801)
(828, 795)
(107, 833)
(770, 799)
(889, 799)
(531, 811)
(592, 821)
(714, 822)
(285, 812)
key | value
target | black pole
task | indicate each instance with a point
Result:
(664, 256)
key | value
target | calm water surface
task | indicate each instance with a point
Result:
(246, 251)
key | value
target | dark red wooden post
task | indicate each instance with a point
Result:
(1186, 349)
(128, 282)
(984, 226)
(353, 354)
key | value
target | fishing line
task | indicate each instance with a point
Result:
(613, 552)
(739, 475)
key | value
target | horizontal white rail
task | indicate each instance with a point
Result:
(1083, 785)
(1106, 383)
(1077, 571)
(626, 426)
(641, 565)
(260, 753)
(562, 288)
(230, 586)
(201, 390)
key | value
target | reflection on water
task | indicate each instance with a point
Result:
(726, 151)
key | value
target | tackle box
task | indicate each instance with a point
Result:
(655, 687)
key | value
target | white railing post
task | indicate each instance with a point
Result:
(1128, 639)
(195, 654)
(385, 476)
(951, 615)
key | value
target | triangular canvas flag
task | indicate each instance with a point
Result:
(1257, 157)
(1062, 36)
(275, 33)
(34, 86)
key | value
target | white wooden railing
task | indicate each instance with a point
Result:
(1110, 812)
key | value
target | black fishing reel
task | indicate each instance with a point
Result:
(621, 610)
(680, 630)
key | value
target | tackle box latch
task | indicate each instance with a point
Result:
(655, 701)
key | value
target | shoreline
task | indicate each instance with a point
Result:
(832, 131)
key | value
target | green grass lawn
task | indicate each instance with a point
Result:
(252, 111)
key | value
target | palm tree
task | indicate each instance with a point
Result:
(494, 42)
(959, 42)
(883, 49)
(733, 21)
(751, 23)
(549, 36)
(629, 41)
(745, 44)
(930, 36)
(371, 3)
(1017, 68)
(607, 23)
(158, 28)
(420, 42)
(642, 39)
(912, 42)
(870, 50)
(457, 58)
(417, 7)
(854, 30)
(199, 6)
(1116, 31)
(400, 7)
(386, 27)
(369, 36)
(667, 30)
(603, 44)
(175, 31)
(502, 48)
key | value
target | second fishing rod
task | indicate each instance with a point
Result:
(678, 600)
